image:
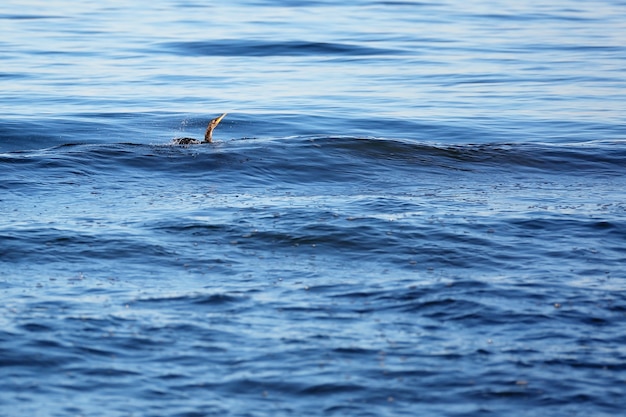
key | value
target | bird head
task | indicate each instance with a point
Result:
(208, 136)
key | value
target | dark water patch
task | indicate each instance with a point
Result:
(561, 159)
(107, 372)
(258, 48)
(580, 227)
(335, 389)
(48, 244)
(28, 16)
(354, 154)
(13, 76)
(554, 15)
(403, 3)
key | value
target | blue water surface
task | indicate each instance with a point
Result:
(411, 208)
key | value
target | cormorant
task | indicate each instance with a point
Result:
(208, 136)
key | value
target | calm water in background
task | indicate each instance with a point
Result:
(412, 208)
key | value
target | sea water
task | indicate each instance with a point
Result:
(412, 208)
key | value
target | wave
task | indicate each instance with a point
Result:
(315, 159)
(260, 48)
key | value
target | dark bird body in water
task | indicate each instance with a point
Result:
(208, 136)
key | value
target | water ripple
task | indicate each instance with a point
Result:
(259, 48)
